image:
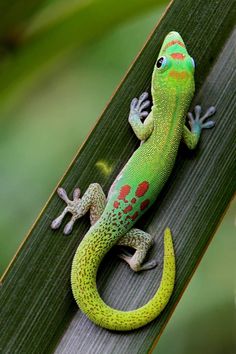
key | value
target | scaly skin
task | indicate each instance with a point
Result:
(135, 189)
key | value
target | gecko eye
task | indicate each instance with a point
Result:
(161, 62)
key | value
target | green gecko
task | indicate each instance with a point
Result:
(135, 189)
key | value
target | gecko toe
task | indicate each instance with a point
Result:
(208, 125)
(68, 228)
(56, 223)
(134, 103)
(143, 97)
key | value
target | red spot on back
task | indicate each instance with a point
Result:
(116, 204)
(142, 189)
(178, 56)
(127, 209)
(124, 191)
(133, 200)
(144, 204)
(134, 216)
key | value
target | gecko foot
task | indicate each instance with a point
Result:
(198, 123)
(73, 207)
(131, 259)
(149, 265)
(134, 261)
(139, 106)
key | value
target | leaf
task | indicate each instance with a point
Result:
(16, 15)
(38, 313)
(50, 40)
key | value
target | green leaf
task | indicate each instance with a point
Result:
(51, 37)
(38, 313)
(14, 17)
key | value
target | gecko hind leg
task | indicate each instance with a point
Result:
(141, 241)
(93, 200)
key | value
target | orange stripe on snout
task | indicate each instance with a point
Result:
(178, 74)
(175, 41)
(178, 56)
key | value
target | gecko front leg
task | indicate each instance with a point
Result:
(197, 123)
(137, 112)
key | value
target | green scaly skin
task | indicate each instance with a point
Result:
(136, 188)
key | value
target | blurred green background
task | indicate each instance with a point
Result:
(50, 96)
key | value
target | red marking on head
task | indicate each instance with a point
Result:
(116, 204)
(178, 74)
(142, 189)
(133, 200)
(175, 41)
(178, 56)
(124, 191)
(127, 209)
(134, 216)
(144, 204)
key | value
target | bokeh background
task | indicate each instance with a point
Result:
(48, 108)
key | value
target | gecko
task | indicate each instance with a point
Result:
(135, 189)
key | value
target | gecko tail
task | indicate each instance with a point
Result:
(84, 289)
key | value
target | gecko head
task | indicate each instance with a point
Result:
(174, 69)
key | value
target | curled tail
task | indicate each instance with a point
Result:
(83, 279)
